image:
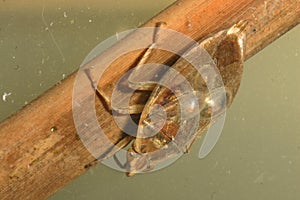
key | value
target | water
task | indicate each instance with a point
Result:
(257, 156)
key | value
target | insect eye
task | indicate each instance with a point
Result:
(189, 104)
(210, 76)
(216, 103)
(132, 154)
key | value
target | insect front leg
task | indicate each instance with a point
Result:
(135, 163)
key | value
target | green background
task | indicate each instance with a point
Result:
(257, 156)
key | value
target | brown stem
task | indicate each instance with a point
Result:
(40, 151)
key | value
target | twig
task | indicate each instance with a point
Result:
(39, 149)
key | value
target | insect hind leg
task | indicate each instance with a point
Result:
(139, 97)
(137, 71)
(100, 92)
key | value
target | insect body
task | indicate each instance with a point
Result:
(167, 112)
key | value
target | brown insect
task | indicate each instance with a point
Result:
(156, 142)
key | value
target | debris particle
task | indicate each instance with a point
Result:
(189, 24)
(53, 129)
(17, 67)
(90, 20)
(260, 179)
(39, 72)
(5, 95)
(65, 14)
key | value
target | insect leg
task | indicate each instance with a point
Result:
(135, 81)
(130, 153)
(149, 50)
(123, 142)
(98, 90)
(139, 97)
